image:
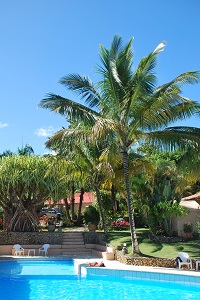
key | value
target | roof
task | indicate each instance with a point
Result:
(195, 197)
(190, 204)
(88, 198)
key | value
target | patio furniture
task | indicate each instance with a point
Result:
(18, 249)
(44, 249)
(184, 259)
(197, 264)
(31, 250)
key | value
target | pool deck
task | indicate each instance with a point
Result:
(116, 265)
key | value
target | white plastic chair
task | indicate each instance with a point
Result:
(18, 249)
(44, 249)
(184, 259)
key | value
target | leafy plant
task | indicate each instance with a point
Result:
(120, 225)
(91, 215)
(198, 227)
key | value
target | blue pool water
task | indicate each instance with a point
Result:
(58, 280)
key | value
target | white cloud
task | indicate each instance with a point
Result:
(2, 125)
(45, 132)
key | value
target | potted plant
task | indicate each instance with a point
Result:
(187, 228)
(91, 217)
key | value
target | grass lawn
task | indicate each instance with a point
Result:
(151, 249)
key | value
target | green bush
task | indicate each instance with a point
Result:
(91, 215)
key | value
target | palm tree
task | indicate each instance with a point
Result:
(26, 150)
(127, 105)
(87, 164)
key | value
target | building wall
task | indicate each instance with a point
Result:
(193, 216)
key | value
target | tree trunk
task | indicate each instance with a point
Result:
(67, 210)
(72, 202)
(80, 206)
(23, 220)
(114, 200)
(101, 208)
(135, 246)
(7, 218)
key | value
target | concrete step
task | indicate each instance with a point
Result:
(73, 243)
(72, 234)
(72, 239)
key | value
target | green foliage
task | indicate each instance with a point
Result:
(25, 183)
(91, 215)
(162, 216)
(198, 227)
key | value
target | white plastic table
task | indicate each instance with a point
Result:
(31, 250)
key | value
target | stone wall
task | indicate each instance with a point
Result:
(93, 237)
(53, 238)
(30, 238)
(148, 261)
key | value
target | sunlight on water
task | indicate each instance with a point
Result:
(58, 280)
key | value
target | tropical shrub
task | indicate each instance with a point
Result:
(120, 225)
(162, 217)
(91, 215)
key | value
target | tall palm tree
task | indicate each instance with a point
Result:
(127, 105)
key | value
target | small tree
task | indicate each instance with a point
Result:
(91, 215)
(26, 182)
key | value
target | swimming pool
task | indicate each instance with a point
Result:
(44, 280)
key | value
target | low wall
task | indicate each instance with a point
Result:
(147, 261)
(93, 237)
(30, 238)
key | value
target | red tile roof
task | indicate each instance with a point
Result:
(88, 197)
(195, 197)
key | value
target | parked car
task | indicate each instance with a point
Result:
(49, 212)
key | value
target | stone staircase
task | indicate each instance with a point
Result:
(73, 243)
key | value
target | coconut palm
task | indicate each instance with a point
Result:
(127, 105)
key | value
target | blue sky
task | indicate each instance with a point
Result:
(44, 40)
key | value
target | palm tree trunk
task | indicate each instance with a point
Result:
(101, 208)
(135, 246)
(80, 207)
(72, 202)
(67, 210)
(114, 200)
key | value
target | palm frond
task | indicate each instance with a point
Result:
(162, 111)
(174, 138)
(83, 86)
(116, 72)
(189, 164)
(65, 139)
(70, 109)
(190, 77)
